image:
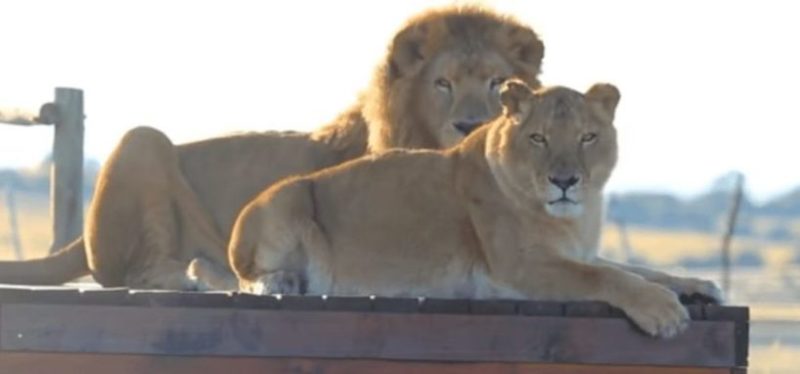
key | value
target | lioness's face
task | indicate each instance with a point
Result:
(562, 143)
(462, 92)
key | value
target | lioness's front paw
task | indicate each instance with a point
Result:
(694, 288)
(658, 312)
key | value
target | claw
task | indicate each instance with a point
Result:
(700, 292)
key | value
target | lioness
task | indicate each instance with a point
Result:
(158, 206)
(513, 211)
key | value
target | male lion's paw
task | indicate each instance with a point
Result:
(658, 312)
(277, 282)
(694, 290)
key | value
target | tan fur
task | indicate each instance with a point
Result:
(466, 46)
(479, 220)
(158, 206)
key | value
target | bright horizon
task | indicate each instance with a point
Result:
(707, 87)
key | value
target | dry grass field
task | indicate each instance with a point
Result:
(33, 219)
(667, 248)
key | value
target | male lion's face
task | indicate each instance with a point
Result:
(442, 75)
(461, 92)
(561, 145)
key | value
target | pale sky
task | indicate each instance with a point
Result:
(707, 86)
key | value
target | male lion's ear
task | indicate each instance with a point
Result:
(516, 98)
(526, 51)
(604, 97)
(526, 46)
(411, 47)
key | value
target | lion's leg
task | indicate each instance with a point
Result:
(210, 275)
(283, 282)
(270, 246)
(655, 309)
(200, 235)
(209, 269)
(284, 276)
(265, 248)
(137, 233)
(169, 274)
(131, 179)
(681, 285)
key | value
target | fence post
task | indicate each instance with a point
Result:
(727, 237)
(66, 188)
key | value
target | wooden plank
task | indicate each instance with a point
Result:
(298, 302)
(181, 299)
(498, 306)
(350, 304)
(396, 304)
(727, 313)
(540, 308)
(587, 309)
(741, 317)
(742, 335)
(696, 312)
(47, 363)
(330, 334)
(436, 305)
(48, 114)
(245, 300)
(17, 117)
(40, 295)
(106, 296)
(66, 180)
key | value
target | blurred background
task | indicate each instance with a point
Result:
(708, 110)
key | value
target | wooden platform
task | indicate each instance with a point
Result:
(122, 331)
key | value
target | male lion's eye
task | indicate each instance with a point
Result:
(538, 139)
(588, 138)
(443, 84)
(495, 83)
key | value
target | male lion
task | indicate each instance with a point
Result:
(158, 206)
(513, 211)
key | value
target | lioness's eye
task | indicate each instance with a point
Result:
(588, 138)
(443, 84)
(495, 83)
(538, 139)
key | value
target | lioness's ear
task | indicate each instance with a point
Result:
(604, 97)
(516, 97)
(411, 47)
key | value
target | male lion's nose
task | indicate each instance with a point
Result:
(564, 182)
(466, 127)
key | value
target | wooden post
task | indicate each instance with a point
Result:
(730, 229)
(66, 186)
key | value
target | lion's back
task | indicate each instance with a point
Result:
(405, 200)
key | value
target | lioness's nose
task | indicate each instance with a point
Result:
(564, 182)
(466, 127)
